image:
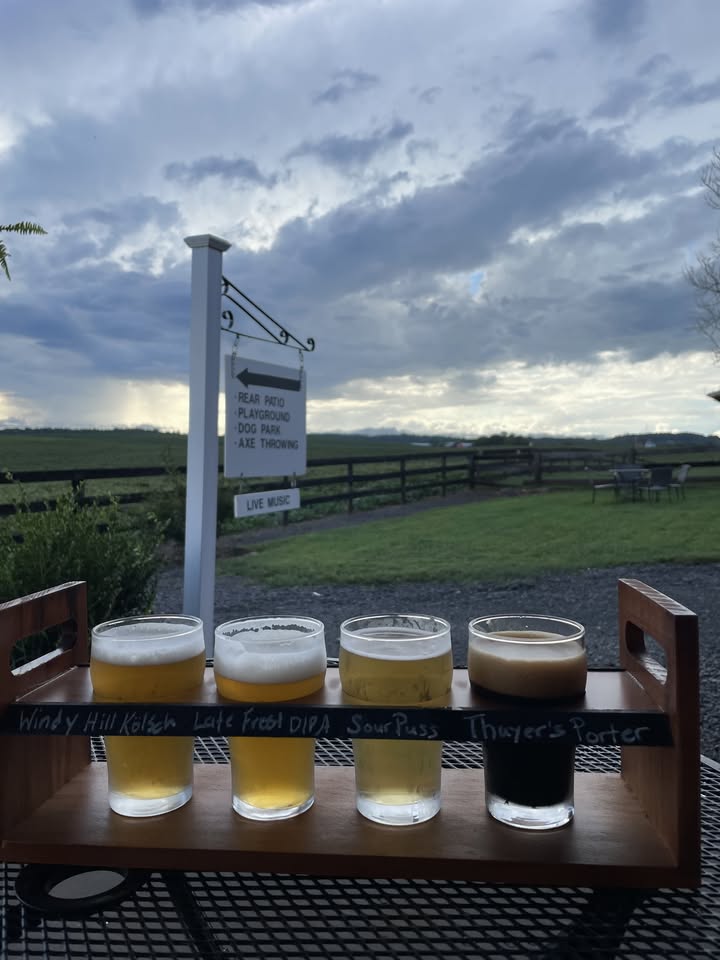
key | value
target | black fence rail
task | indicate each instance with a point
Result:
(77, 478)
(411, 475)
(415, 474)
(398, 477)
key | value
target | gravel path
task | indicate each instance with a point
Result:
(589, 596)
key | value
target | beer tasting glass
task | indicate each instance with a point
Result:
(396, 660)
(271, 660)
(528, 785)
(153, 659)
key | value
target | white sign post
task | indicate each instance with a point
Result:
(265, 433)
(270, 397)
(202, 450)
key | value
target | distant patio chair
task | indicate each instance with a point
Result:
(660, 479)
(678, 484)
(605, 485)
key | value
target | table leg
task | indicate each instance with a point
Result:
(199, 931)
(600, 928)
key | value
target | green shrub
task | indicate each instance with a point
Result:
(168, 505)
(226, 503)
(115, 552)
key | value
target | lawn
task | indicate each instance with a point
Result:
(85, 449)
(496, 539)
(45, 450)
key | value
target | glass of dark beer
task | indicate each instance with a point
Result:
(528, 658)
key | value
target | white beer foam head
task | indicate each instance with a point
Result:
(148, 641)
(396, 637)
(550, 648)
(526, 628)
(529, 639)
(278, 650)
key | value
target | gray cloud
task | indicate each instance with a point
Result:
(416, 148)
(364, 279)
(121, 319)
(152, 8)
(679, 90)
(623, 98)
(345, 152)
(642, 306)
(123, 218)
(239, 171)
(346, 83)
(123, 323)
(629, 95)
(616, 20)
(656, 64)
(544, 54)
(547, 168)
(71, 159)
(579, 235)
(382, 189)
(430, 94)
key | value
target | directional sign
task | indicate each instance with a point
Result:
(269, 501)
(251, 378)
(264, 419)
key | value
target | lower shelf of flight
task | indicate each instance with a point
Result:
(611, 841)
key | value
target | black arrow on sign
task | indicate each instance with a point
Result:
(263, 380)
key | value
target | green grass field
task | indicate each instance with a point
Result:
(78, 449)
(38, 450)
(493, 539)
(496, 539)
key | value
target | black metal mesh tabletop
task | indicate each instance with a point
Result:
(271, 916)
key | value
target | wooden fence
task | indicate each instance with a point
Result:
(412, 475)
(415, 474)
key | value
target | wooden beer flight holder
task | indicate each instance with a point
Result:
(639, 827)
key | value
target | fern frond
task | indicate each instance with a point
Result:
(24, 227)
(3, 260)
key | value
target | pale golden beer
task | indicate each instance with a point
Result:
(271, 660)
(528, 785)
(397, 660)
(148, 660)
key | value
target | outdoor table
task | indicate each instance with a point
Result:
(632, 479)
(272, 916)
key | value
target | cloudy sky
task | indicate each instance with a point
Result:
(480, 210)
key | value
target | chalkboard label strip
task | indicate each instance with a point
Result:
(587, 728)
